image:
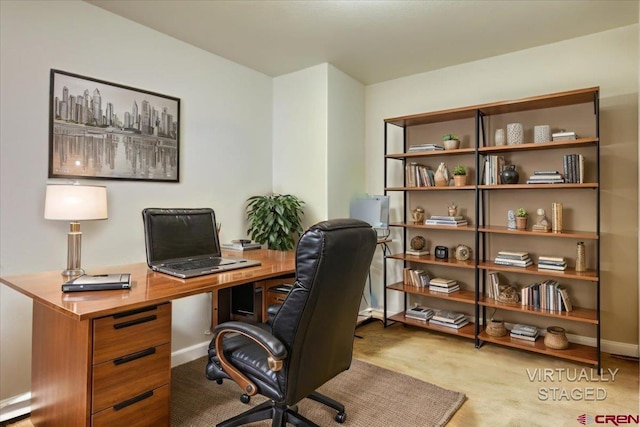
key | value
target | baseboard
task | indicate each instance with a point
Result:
(14, 407)
(186, 355)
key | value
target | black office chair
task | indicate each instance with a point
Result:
(310, 338)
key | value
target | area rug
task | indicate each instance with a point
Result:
(373, 397)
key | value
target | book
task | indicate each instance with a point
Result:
(447, 218)
(513, 254)
(241, 246)
(566, 301)
(520, 328)
(512, 263)
(98, 282)
(420, 313)
(433, 321)
(416, 253)
(443, 289)
(524, 337)
(550, 258)
(442, 282)
(542, 266)
(448, 316)
(445, 222)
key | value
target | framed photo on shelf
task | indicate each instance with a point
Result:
(102, 130)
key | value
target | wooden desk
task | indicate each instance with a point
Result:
(100, 358)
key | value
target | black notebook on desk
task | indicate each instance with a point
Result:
(99, 282)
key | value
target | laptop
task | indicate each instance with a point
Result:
(184, 243)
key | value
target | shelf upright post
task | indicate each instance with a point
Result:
(596, 105)
(384, 263)
(479, 127)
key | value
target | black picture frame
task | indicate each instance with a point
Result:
(104, 130)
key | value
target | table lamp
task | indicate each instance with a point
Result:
(74, 202)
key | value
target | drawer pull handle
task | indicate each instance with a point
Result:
(133, 400)
(132, 312)
(134, 356)
(135, 322)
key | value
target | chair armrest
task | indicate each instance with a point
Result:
(276, 351)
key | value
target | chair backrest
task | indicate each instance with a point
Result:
(318, 318)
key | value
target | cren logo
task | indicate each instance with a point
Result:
(585, 419)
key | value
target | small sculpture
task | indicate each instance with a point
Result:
(417, 215)
(541, 222)
(452, 209)
(511, 220)
(418, 243)
(442, 177)
(508, 294)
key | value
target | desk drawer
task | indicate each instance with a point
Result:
(130, 332)
(149, 409)
(130, 375)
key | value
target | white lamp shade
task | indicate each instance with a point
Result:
(75, 202)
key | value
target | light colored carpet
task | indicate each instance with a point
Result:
(373, 397)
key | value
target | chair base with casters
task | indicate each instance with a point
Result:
(308, 340)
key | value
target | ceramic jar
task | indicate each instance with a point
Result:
(556, 338)
(509, 175)
(515, 133)
(542, 133)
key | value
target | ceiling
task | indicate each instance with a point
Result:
(372, 41)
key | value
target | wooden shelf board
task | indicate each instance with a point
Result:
(434, 188)
(430, 259)
(575, 143)
(569, 273)
(467, 331)
(537, 186)
(414, 154)
(578, 314)
(571, 234)
(576, 352)
(467, 297)
(559, 99)
(434, 227)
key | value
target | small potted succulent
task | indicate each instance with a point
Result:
(521, 218)
(451, 141)
(460, 176)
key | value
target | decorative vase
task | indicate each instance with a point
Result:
(500, 137)
(556, 217)
(460, 180)
(509, 175)
(556, 338)
(515, 133)
(581, 263)
(542, 133)
(451, 144)
(496, 328)
(521, 222)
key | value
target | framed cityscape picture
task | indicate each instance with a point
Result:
(102, 130)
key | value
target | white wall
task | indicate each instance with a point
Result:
(318, 140)
(609, 60)
(226, 128)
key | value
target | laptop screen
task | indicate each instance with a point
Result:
(180, 233)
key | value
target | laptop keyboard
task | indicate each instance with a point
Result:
(194, 264)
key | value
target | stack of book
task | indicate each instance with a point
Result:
(545, 177)
(548, 295)
(418, 278)
(551, 263)
(419, 313)
(241, 245)
(563, 136)
(446, 286)
(425, 147)
(513, 259)
(449, 319)
(524, 332)
(573, 168)
(451, 221)
(493, 165)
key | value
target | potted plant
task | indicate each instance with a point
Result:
(451, 141)
(521, 218)
(460, 176)
(275, 220)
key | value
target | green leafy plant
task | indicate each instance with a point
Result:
(449, 136)
(522, 212)
(460, 170)
(275, 220)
